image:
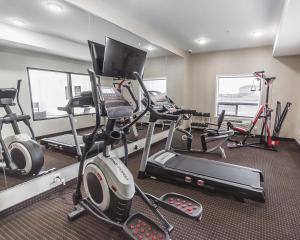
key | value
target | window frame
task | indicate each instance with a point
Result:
(69, 82)
(245, 75)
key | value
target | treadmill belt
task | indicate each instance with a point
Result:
(66, 139)
(214, 169)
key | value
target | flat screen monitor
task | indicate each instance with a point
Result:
(97, 54)
(121, 60)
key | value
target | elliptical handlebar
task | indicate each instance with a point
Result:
(136, 102)
(90, 139)
(124, 83)
(138, 77)
(18, 98)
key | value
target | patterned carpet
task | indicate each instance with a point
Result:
(224, 218)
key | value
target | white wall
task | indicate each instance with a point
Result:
(13, 63)
(204, 68)
(171, 67)
(297, 132)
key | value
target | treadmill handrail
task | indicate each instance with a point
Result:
(78, 101)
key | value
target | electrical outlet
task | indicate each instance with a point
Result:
(57, 179)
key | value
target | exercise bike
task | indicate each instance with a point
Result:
(21, 154)
(108, 183)
(183, 139)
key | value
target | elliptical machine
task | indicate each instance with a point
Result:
(108, 183)
(22, 155)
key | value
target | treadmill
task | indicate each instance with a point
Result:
(68, 142)
(242, 182)
(65, 143)
(73, 143)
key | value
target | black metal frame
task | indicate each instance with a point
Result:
(69, 82)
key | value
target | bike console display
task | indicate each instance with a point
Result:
(115, 105)
(7, 96)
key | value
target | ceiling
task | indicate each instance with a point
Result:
(73, 24)
(288, 37)
(223, 24)
(226, 24)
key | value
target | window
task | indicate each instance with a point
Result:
(238, 95)
(49, 90)
(154, 84)
(81, 83)
(52, 89)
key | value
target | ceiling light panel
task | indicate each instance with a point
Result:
(149, 48)
(55, 7)
(256, 34)
(17, 22)
(202, 41)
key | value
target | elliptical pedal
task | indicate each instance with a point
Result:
(182, 205)
(140, 227)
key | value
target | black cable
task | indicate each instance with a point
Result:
(124, 138)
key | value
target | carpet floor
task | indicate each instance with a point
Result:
(224, 218)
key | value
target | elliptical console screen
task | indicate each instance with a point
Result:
(121, 60)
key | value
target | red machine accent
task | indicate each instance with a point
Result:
(240, 130)
(258, 114)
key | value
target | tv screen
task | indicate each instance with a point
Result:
(121, 60)
(97, 54)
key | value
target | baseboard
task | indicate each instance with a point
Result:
(35, 199)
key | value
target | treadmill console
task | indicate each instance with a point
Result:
(161, 103)
(115, 105)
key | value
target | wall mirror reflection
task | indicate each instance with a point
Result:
(50, 53)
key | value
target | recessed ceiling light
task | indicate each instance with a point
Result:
(202, 41)
(149, 48)
(256, 34)
(55, 7)
(17, 22)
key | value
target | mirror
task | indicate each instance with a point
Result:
(47, 48)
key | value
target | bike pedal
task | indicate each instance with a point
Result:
(140, 227)
(182, 205)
